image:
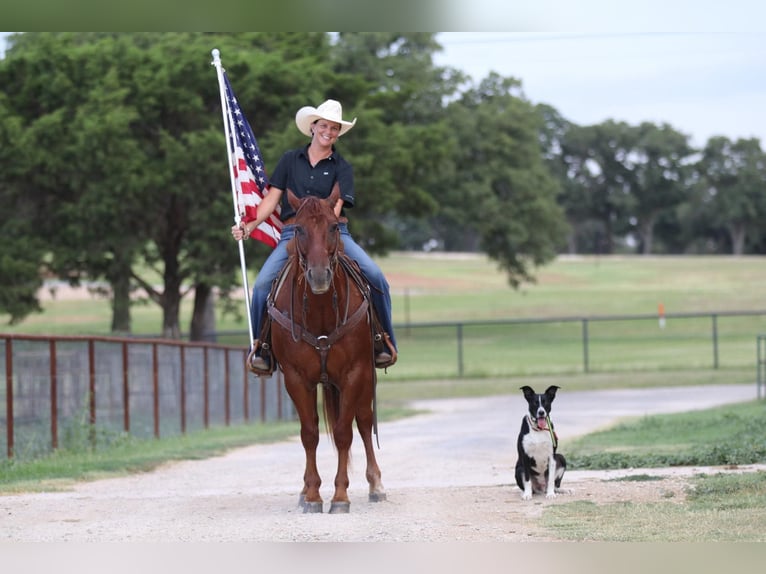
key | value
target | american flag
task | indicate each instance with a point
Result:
(251, 181)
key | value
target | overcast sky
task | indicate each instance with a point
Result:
(701, 83)
(698, 65)
(702, 69)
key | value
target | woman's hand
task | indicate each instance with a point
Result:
(238, 232)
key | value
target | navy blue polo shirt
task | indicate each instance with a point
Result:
(294, 172)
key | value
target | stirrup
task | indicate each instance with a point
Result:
(385, 353)
(257, 364)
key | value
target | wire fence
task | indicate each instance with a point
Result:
(64, 390)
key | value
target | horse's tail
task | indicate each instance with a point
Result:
(331, 403)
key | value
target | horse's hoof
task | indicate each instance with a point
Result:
(312, 507)
(377, 497)
(340, 507)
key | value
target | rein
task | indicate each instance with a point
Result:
(548, 426)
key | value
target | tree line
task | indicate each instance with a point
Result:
(113, 164)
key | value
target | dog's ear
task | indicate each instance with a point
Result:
(529, 392)
(551, 391)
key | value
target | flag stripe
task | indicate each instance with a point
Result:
(250, 178)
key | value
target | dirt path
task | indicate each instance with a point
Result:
(449, 477)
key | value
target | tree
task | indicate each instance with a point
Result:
(567, 161)
(135, 173)
(734, 176)
(22, 245)
(660, 161)
(503, 190)
(600, 160)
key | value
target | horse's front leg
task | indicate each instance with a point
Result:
(343, 434)
(310, 499)
(305, 402)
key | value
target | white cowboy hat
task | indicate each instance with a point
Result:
(329, 110)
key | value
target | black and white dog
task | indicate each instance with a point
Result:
(539, 468)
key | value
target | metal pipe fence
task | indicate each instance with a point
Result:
(560, 345)
(61, 391)
(564, 345)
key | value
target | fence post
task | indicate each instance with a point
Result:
(226, 390)
(205, 390)
(9, 394)
(92, 390)
(586, 367)
(715, 340)
(54, 394)
(156, 390)
(760, 363)
(460, 350)
(125, 389)
(182, 358)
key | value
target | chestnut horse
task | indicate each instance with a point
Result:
(322, 335)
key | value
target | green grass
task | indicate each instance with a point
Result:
(459, 287)
(432, 293)
(129, 455)
(429, 288)
(718, 508)
(732, 434)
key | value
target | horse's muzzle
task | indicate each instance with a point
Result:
(319, 278)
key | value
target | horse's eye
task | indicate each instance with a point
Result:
(300, 231)
(333, 228)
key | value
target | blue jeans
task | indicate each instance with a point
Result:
(380, 294)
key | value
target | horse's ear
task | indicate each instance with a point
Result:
(292, 199)
(334, 195)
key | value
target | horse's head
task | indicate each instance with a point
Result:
(317, 238)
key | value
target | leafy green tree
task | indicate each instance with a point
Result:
(566, 162)
(503, 190)
(22, 244)
(660, 162)
(135, 174)
(734, 176)
(599, 161)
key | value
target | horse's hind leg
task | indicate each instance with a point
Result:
(364, 418)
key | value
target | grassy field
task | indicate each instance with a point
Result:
(461, 287)
(456, 316)
(718, 507)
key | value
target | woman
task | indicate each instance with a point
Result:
(313, 170)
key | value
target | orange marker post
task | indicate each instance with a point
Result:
(661, 315)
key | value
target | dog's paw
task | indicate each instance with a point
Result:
(526, 496)
(550, 495)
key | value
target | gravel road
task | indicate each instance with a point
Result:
(448, 474)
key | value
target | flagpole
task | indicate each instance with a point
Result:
(237, 216)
